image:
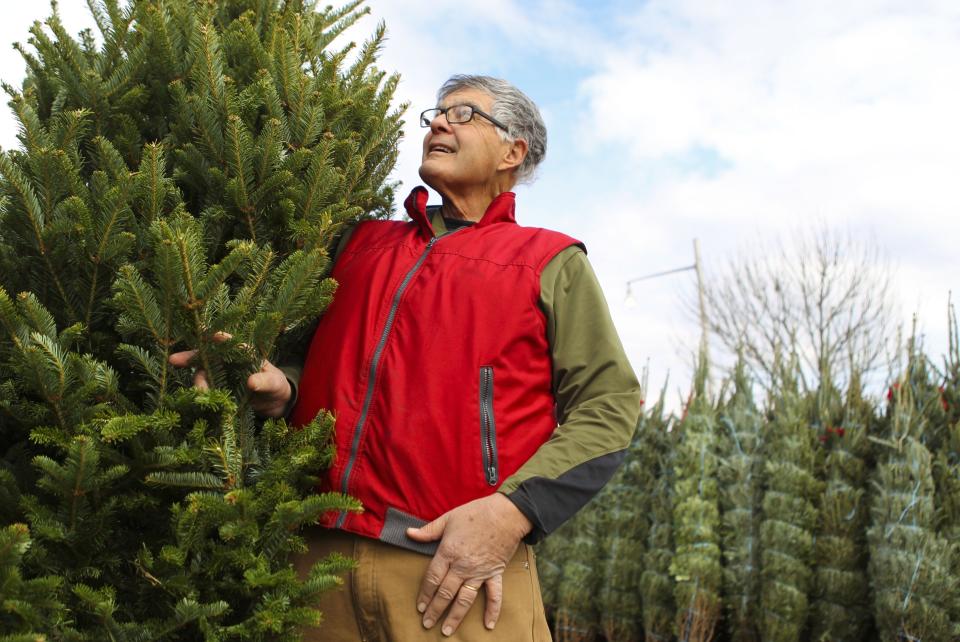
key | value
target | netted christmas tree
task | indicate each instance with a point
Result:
(741, 477)
(624, 529)
(577, 612)
(696, 565)
(910, 561)
(181, 174)
(656, 582)
(839, 608)
(790, 509)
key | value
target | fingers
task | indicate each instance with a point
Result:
(429, 532)
(436, 571)
(271, 391)
(200, 380)
(491, 613)
(182, 359)
(448, 590)
(466, 596)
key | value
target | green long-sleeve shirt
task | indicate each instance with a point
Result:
(596, 390)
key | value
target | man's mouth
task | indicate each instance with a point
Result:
(440, 148)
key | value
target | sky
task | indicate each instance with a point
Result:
(734, 123)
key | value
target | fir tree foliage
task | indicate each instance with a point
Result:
(180, 175)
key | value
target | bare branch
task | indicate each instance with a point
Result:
(820, 297)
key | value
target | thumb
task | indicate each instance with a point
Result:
(429, 532)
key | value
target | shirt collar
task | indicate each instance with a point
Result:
(500, 210)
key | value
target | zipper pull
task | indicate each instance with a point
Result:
(491, 475)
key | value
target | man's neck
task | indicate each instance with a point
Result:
(472, 206)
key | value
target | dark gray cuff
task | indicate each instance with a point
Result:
(548, 503)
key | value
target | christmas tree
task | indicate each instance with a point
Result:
(696, 564)
(741, 477)
(626, 503)
(790, 513)
(910, 561)
(656, 583)
(181, 174)
(839, 608)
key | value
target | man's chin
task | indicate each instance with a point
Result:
(430, 175)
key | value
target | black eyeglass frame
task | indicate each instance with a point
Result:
(425, 122)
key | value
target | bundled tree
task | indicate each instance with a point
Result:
(789, 516)
(840, 609)
(909, 561)
(741, 475)
(656, 582)
(696, 564)
(183, 178)
(625, 530)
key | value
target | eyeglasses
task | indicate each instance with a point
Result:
(457, 115)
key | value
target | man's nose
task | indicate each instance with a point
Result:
(440, 123)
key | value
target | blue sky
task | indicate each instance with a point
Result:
(733, 122)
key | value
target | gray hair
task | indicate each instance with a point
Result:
(514, 109)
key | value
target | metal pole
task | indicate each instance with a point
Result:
(700, 294)
(704, 345)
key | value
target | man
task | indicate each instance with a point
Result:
(455, 345)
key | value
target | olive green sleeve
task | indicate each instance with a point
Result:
(597, 395)
(292, 364)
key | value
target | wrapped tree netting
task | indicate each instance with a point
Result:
(789, 516)
(840, 607)
(741, 492)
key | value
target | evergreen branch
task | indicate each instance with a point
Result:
(54, 361)
(217, 275)
(146, 362)
(194, 480)
(152, 176)
(240, 163)
(36, 219)
(117, 207)
(141, 310)
(33, 134)
(11, 320)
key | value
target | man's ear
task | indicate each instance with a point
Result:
(514, 155)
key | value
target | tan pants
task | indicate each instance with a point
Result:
(377, 602)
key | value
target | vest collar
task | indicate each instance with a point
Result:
(500, 210)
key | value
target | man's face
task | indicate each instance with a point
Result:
(465, 155)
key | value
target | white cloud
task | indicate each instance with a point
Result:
(846, 113)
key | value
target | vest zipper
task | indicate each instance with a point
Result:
(374, 362)
(488, 428)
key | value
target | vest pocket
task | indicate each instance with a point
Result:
(488, 427)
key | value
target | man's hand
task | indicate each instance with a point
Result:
(477, 540)
(269, 389)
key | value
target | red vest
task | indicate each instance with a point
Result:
(434, 359)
